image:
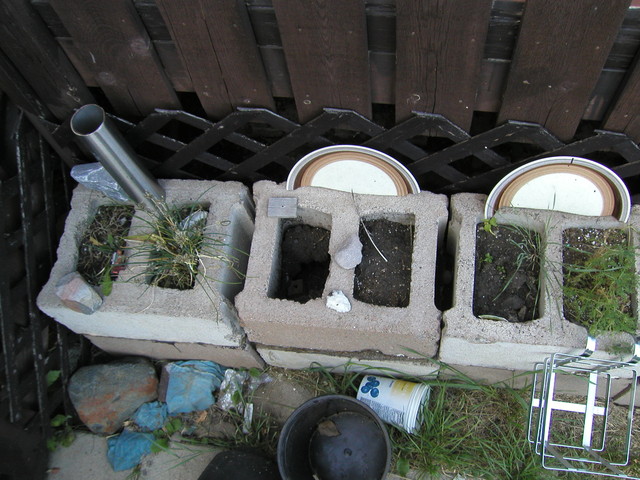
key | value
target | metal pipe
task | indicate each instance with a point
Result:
(100, 136)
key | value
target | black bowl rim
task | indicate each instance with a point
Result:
(324, 398)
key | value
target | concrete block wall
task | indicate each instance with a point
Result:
(472, 341)
(164, 323)
(243, 355)
(278, 324)
(341, 362)
(137, 311)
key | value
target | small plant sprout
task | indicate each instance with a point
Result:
(62, 435)
(488, 258)
(488, 224)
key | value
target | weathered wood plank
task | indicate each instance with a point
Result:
(18, 90)
(561, 51)
(325, 45)
(173, 65)
(189, 31)
(216, 44)
(235, 45)
(32, 50)
(114, 44)
(624, 116)
(276, 68)
(439, 51)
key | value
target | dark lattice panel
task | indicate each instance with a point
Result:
(257, 144)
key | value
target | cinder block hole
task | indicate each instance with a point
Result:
(236, 250)
(177, 239)
(599, 279)
(384, 276)
(507, 273)
(101, 251)
(303, 264)
(445, 265)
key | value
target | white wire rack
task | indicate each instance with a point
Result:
(576, 436)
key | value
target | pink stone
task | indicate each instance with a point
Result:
(77, 294)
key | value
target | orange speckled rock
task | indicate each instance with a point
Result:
(106, 395)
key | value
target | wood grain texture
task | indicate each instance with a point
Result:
(216, 44)
(624, 115)
(33, 52)
(439, 51)
(114, 44)
(237, 53)
(560, 53)
(325, 44)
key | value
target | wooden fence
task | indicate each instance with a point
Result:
(554, 63)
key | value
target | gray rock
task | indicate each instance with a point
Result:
(349, 255)
(77, 294)
(106, 395)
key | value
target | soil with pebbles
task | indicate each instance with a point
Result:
(506, 275)
(382, 278)
(384, 275)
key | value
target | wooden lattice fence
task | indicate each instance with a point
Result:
(257, 144)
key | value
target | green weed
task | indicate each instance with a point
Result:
(63, 434)
(174, 246)
(600, 282)
(488, 224)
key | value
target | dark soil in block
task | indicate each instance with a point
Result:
(304, 265)
(507, 274)
(101, 250)
(384, 282)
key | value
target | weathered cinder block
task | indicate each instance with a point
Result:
(241, 356)
(341, 362)
(136, 310)
(469, 340)
(289, 324)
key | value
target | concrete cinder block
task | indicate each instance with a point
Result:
(392, 331)
(242, 356)
(487, 376)
(473, 341)
(137, 310)
(341, 362)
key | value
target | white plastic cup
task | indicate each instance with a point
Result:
(397, 402)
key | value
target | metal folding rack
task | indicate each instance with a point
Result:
(574, 436)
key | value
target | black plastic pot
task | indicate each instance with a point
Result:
(334, 437)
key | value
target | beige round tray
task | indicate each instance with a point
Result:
(568, 184)
(352, 168)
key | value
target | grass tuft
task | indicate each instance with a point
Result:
(600, 281)
(175, 246)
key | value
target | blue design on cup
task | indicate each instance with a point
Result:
(370, 386)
